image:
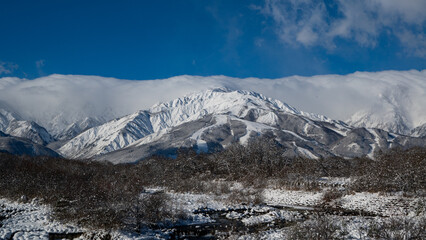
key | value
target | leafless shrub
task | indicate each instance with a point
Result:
(150, 209)
(98, 235)
(246, 196)
(399, 228)
(103, 195)
(396, 170)
(319, 227)
(331, 195)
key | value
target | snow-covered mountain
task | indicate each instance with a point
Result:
(6, 117)
(108, 137)
(389, 120)
(392, 100)
(29, 130)
(12, 124)
(78, 127)
(85, 113)
(419, 131)
(122, 132)
(216, 118)
(391, 111)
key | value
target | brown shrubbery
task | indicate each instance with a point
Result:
(326, 227)
(319, 227)
(396, 170)
(106, 195)
(89, 193)
(398, 228)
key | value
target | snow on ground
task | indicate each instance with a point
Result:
(189, 202)
(117, 235)
(274, 234)
(282, 197)
(34, 221)
(386, 205)
(380, 204)
(269, 214)
(29, 221)
(334, 181)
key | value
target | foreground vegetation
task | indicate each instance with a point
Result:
(102, 195)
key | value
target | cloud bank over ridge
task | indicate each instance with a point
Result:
(64, 99)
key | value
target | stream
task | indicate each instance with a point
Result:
(254, 219)
(222, 223)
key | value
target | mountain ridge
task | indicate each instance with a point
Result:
(216, 118)
(192, 107)
(14, 125)
(50, 101)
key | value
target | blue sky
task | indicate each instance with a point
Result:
(160, 39)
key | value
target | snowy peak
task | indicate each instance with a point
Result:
(23, 137)
(216, 118)
(336, 96)
(419, 131)
(387, 120)
(238, 103)
(29, 130)
(12, 124)
(223, 100)
(108, 137)
(78, 127)
(397, 108)
(386, 116)
(251, 109)
(6, 117)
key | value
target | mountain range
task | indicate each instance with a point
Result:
(394, 101)
(79, 123)
(207, 121)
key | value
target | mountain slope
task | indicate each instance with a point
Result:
(78, 127)
(254, 112)
(297, 135)
(215, 132)
(419, 131)
(29, 130)
(397, 106)
(389, 120)
(5, 118)
(22, 146)
(12, 124)
(393, 100)
(213, 119)
(108, 137)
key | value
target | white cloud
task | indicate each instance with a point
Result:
(75, 97)
(320, 23)
(259, 42)
(298, 21)
(416, 41)
(409, 11)
(7, 67)
(40, 64)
